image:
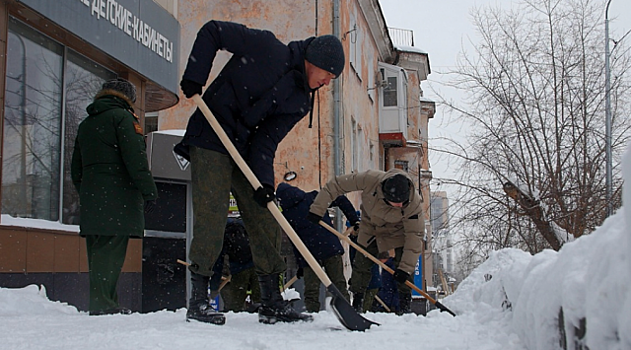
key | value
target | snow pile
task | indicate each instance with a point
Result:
(588, 280)
(30, 300)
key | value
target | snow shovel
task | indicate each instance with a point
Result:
(341, 307)
(385, 267)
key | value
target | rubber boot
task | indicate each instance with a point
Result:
(273, 307)
(358, 302)
(405, 303)
(199, 308)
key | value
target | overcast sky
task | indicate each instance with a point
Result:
(442, 28)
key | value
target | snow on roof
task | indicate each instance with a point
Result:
(410, 49)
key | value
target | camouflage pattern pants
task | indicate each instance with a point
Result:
(361, 275)
(236, 291)
(213, 176)
(334, 268)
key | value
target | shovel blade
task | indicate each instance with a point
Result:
(345, 312)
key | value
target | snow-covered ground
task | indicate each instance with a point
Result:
(512, 301)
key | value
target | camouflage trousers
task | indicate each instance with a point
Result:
(213, 177)
(361, 275)
(334, 268)
(236, 291)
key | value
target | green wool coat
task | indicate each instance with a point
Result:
(110, 168)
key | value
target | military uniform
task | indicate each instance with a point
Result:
(111, 173)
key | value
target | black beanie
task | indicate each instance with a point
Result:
(123, 86)
(326, 52)
(396, 189)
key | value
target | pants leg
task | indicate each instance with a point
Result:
(312, 290)
(334, 267)
(361, 275)
(263, 230)
(211, 174)
(106, 255)
(235, 292)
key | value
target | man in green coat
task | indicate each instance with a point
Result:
(111, 173)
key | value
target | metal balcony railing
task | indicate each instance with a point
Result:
(401, 37)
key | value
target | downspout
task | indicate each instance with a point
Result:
(337, 107)
(337, 103)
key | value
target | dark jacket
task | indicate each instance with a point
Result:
(260, 94)
(110, 169)
(321, 243)
(391, 227)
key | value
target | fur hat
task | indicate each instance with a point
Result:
(326, 52)
(396, 189)
(123, 86)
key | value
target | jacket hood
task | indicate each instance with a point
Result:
(109, 99)
(289, 196)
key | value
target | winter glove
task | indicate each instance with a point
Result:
(314, 218)
(300, 273)
(264, 195)
(400, 276)
(355, 227)
(190, 88)
(150, 206)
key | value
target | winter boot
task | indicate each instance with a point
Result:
(199, 308)
(273, 307)
(358, 302)
(405, 303)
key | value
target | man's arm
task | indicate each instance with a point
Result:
(347, 208)
(217, 35)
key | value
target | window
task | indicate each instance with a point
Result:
(41, 76)
(151, 122)
(401, 164)
(390, 93)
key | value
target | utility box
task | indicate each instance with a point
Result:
(168, 226)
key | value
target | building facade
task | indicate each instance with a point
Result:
(54, 56)
(374, 116)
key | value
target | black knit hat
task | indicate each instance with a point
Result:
(326, 52)
(123, 86)
(396, 189)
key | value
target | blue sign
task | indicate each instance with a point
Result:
(418, 275)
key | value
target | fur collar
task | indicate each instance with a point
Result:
(110, 92)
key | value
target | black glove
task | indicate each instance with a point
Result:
(400, 276)
(314, 218)
(300, 273)
(264, 195)
(355, 226)
(150, 206)
(190, 88)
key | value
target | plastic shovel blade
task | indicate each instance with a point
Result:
(345, 312)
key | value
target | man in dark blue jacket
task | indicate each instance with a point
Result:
(325, 246)
(262, 92)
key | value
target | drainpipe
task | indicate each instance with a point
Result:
(337, 103)
(337, 106)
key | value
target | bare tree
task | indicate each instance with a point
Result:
(534, 166)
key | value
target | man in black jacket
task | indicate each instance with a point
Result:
(325, 246)
(262, 92)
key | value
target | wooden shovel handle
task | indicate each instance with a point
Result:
(227, 143)
(383, 266)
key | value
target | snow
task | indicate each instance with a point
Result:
(510, 302)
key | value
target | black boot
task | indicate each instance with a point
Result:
(273, 307)
(405, 303)
(358, 302)
(199, 308)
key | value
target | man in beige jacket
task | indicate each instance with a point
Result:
(391, 218)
